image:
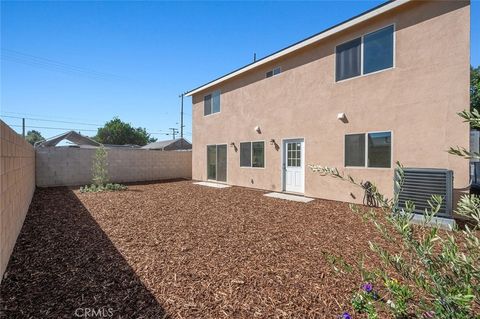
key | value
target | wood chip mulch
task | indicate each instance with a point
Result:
(179, 250)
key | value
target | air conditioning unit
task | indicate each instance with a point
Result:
(420, 184)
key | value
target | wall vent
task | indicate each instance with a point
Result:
(421, 183)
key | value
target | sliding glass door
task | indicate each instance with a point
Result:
(217, 162)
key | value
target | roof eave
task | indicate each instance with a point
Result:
(297, 46)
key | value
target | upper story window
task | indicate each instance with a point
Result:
(273, 72)
(370, 53)
(211, 103)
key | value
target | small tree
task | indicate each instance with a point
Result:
(439, 272)
(99, 169)
(100, 180)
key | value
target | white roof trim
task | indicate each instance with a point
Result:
(341, 27)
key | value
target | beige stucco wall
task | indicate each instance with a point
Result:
(417, 100)
(60, 166)
(17, 186)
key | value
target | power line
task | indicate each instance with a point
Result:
(41, 115)
(52, 65)
(75, 129)
(55, 128)
(66, 122)
(45, 120)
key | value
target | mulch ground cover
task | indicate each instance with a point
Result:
(180, 250)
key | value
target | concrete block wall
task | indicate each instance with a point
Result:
(63, 166)
(16, 188)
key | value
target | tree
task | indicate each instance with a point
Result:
(120, 133)
(34, 136)
(475, 88)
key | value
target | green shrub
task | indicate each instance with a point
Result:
(439, 272)
(102, 188)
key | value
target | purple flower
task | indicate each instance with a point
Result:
(346, 315)
(368, 287)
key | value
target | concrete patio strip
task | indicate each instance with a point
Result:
(209, 184)
(294, 198)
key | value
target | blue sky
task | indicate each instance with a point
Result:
(82, 63)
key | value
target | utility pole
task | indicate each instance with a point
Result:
(254, 57)
(181, 115)
(23, 127)
(174, 131)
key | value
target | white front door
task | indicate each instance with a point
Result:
(294, 165)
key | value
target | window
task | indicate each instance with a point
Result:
(252, 154)
(207, 104)
(258, 154)
(211, 103)
(373, 148)
(273, 72)
(294, 154)
(246, 154)
(378, 50)
(369, 53)
(379, 149)
(355, 150)
(348, 59)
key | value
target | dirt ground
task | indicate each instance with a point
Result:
(175, 249)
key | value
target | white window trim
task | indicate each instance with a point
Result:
(220, 98)
(361, 54)
(366, 151)
(251, 154)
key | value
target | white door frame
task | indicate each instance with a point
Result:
(283, 161)
(216, 163)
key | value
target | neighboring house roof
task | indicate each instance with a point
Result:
(169, 145)
(387, 6)
(71, 136)
(122, 146)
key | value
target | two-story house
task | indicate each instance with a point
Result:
(382, 87)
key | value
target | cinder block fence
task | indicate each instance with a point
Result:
(16, 190)
(67, 166)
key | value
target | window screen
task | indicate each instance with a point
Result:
(212, 162)
(207, 104)
(258, 154)
(355, 150)
(378, 50)
(348, 59)
(246, 154)
(379, 149)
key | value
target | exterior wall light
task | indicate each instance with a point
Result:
(257, 129)
(274, 143)
(232, 144)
